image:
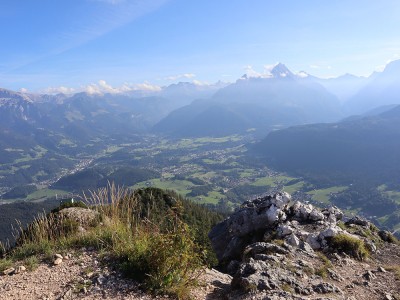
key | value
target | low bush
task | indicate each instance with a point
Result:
(5, 264)
(350, 245)
(326, 264)
(31, 263)
(153, 236)
(167, 262)
(395, 270)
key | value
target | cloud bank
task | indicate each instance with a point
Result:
(102, 87)
(180, 76)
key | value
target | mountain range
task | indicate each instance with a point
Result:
(278, 99)
(56, 126)
(262, 103)
(366, 147)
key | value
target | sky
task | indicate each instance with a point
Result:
(67, 45)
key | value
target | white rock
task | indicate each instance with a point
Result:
(284, 230)
(20, 269)
(316, 215)
(9, 271)
(312, 240)
(296, 207)
(273, 214)
(293, 240)
(303, 234)
(331, 219)
(301, 210)
(329, 232)
(58, 261)
(333, 210)
(281, 199)
(59, 256)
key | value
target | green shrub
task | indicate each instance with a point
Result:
(287, 288)
(350, 245)
(41, 247)
(31, 263)
(68, 226)
(342, 225)
(279, 242)
(155, 237)
(326, 264)
(166, 262)
(5, 264)
(392, 239)
(395, 270)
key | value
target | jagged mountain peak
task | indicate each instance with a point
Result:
(280, 70)
(10, 97)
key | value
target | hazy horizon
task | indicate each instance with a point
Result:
(64, 46)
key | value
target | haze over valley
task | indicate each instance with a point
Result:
(217, 144)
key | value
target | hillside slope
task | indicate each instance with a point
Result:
(363, 147)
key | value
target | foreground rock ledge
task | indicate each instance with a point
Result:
(276, 248)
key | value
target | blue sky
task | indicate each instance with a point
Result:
(75, 43)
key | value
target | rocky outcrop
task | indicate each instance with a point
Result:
(274, 217)
(83, 217)
(278, 247)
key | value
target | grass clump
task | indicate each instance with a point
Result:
(169, 261)
(350, 245)
(31, 263)
(152, 235)
(326, 264)
(342, 225)
(308, 270)
(279, 242)
(5, 264)
(392, 239)
(43, 248)
(395, 270)
(287, 288)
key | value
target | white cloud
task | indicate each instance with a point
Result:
(200, 83)
(102, 87)
(250, 72)
(380, 68)
(176, 77)
(268, 68)
(315, 67)
(302, 74)
(23, 90)
(146, 86)
(58, 90)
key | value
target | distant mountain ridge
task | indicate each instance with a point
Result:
(42, 135)
(279, 99)
(276, 99)
(382, 89)
(366, 146)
